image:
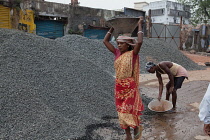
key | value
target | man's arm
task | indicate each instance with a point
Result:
(206, 129)
(160, 80)
(204, 115)
(170, 75)
(204, 111)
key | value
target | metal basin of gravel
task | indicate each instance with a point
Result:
(120, 25)
(160, 106)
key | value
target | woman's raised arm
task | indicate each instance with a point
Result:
(140, 36)
(106, 42)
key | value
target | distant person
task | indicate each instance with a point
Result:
(176, 74)
(204, 111)
(127, 97)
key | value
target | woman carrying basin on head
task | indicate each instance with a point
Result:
(127, 97)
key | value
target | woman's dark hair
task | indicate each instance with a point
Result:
(130, 48)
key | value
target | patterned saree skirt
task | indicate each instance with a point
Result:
(128, 102)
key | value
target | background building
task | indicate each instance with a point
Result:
(167, 12)
(140, 5)
(53, 20)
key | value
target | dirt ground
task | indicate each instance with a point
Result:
(182, 125)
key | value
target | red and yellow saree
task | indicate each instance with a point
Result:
(127, 97)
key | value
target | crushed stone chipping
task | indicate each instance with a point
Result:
(60, 89)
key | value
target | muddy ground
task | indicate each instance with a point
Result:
(182, 125)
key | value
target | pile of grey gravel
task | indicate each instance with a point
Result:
(92, 49)
(61, 89)
(48, 90)
(152, 50)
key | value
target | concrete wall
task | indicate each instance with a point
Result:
(84, 16)
(46, 8)
(77, 17)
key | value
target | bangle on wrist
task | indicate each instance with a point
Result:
(109, 33)
(140, 32)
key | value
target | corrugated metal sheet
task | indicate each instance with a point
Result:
(49, 28)
(5, 17)
(95, 33)
(134, 12)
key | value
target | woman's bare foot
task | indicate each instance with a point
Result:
(128, 138)
(128, 134)
(138, 132)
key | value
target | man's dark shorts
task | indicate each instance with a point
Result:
(178, 82)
